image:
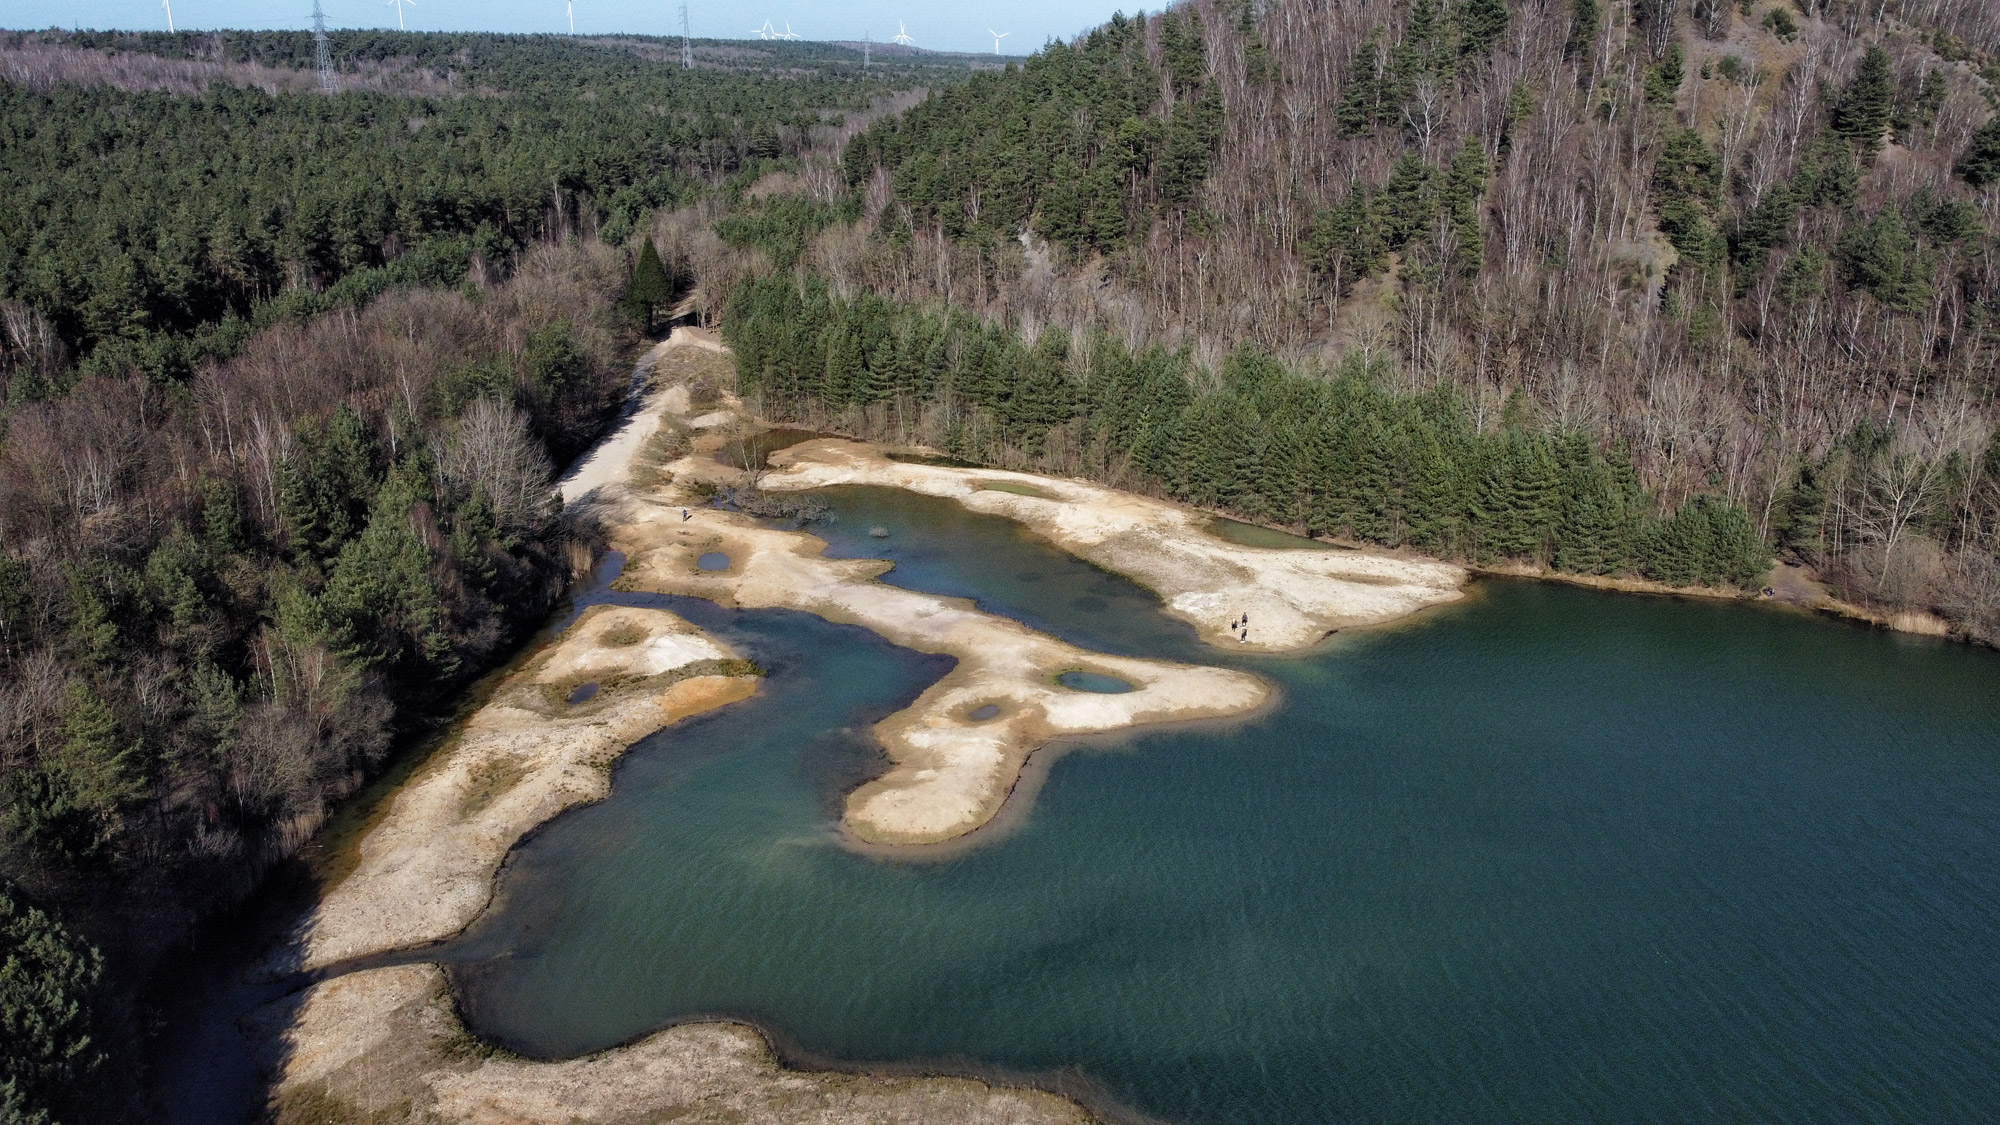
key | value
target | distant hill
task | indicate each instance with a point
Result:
(1749, 246)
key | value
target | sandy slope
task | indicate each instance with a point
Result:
(1292, 598)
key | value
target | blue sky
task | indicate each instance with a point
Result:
(958, 26)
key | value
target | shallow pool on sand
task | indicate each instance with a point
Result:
(1548, 855)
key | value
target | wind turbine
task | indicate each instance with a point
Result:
(570, 7)
(902, 36)
(765, 32)
(169, 6)
(398, 5)
(788, 32)
(997, 37)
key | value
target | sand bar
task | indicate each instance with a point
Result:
(1292, 598)
(951, 771)
(386, 1044)
(426, 870)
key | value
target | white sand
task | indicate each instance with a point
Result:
(1293, 597)
(426, 870)
(386, 1044)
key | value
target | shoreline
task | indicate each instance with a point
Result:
(391, 1030)
(386, 1039)
(1292, 599)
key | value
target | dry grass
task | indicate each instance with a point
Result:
(1015, 487)
(490, 780)
(624, 633)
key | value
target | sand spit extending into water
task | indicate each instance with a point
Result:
(426, 870)
(952, 772)
(1293, 598)
(385, 1044)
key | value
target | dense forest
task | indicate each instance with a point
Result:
(286, 377)
(1747, 249)
(1331, 455)
(153, 230)
(1660, 289)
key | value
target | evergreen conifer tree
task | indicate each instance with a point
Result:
(1980, 166)
(650, 286)
(1585, 19)
(1864, 107)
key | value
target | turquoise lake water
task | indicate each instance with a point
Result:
(1548, 855)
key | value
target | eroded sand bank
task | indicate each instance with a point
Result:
(426, 870)
(1292, 598)
(385, 1044)
(951, 771)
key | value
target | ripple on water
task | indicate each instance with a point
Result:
(1489, 867)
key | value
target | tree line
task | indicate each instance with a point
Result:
(1749, 247)
(1340, 455)
(148, 230)
(283, 378)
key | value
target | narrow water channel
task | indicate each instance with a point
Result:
(1547, 855)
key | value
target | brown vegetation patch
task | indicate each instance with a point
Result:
(1016, 487)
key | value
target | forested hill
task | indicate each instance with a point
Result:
(1746, 248)
(284, 378)
(145, 228)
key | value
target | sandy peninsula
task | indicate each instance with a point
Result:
(386, 1044)
(425, 871)
(959, 748)
(1291, 598)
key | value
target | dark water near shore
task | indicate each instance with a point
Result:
(1552, 855)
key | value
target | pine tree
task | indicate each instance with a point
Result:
(1585, 19)
(1663, 81)
(1347, 243)
(650, 287)
(1980, 165)
(1864, 107)
(1464, 190)
(1687, 182)
(1881, 257)
(1481, 23)
(381, 606)
(1409, 199)
(48, 979)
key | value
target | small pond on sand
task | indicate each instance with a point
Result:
(1547, 855)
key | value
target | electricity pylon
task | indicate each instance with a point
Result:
(323, 53)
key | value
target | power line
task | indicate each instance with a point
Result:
(323, 53)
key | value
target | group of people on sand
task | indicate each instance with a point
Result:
(1241, 627)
